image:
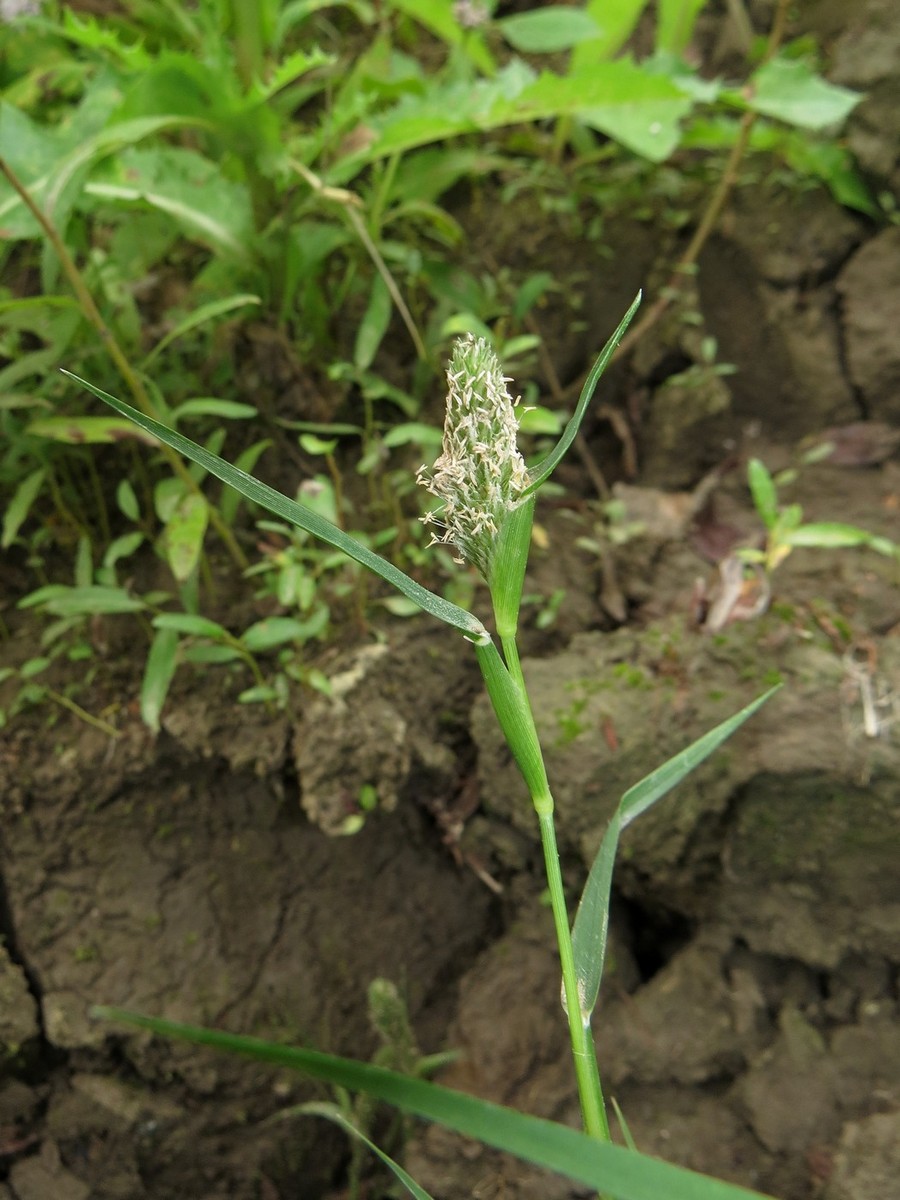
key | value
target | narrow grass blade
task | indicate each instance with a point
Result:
(331, 1112)
(296, 514)
(618, 1173)
(762, 489)
(206, 312)
(831, 535)
(158, 672)
(547, 466)
(591, 927)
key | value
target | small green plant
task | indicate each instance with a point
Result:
(786, 530)
(487, 497)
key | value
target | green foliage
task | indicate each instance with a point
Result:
(618, 1172)
(786, 529)
(288, 163)
(474, 379)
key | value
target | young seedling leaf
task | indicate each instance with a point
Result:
(206, 312)
(296, 514)
(834, 535)
(619, 1173)
(762, 489)
(191, 625)
(158, 672)
(591, 926)
(544, 469)
(20, 506)
(331, 1112)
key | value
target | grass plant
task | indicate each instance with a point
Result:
(487, 498)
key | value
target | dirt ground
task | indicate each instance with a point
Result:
(749, 1020)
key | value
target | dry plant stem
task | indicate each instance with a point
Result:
(115, 352)
(83, 714)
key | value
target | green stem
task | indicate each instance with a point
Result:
(511, 656)
(593, 1110)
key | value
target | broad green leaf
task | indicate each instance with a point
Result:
(374, 324)
(332, 1113)
(181, 183)
(616, 19)
(763, 491)
(436, 15)
(591, 927)
(548, 30)
(297, 514)
(637, 106)
(92, 431)
(184, 534)
(675, 24)
(206, 312)
(89, 601)
(20, 506)
(544, 469)
(644, 110)
(191, 625)
(789, 90)
(158, 672)
(829, 161)
(619, 1173)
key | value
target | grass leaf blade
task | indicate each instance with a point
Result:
(618, 1172)
(589, 932)
(331, 1112)
(296, 514)
(547, 466)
